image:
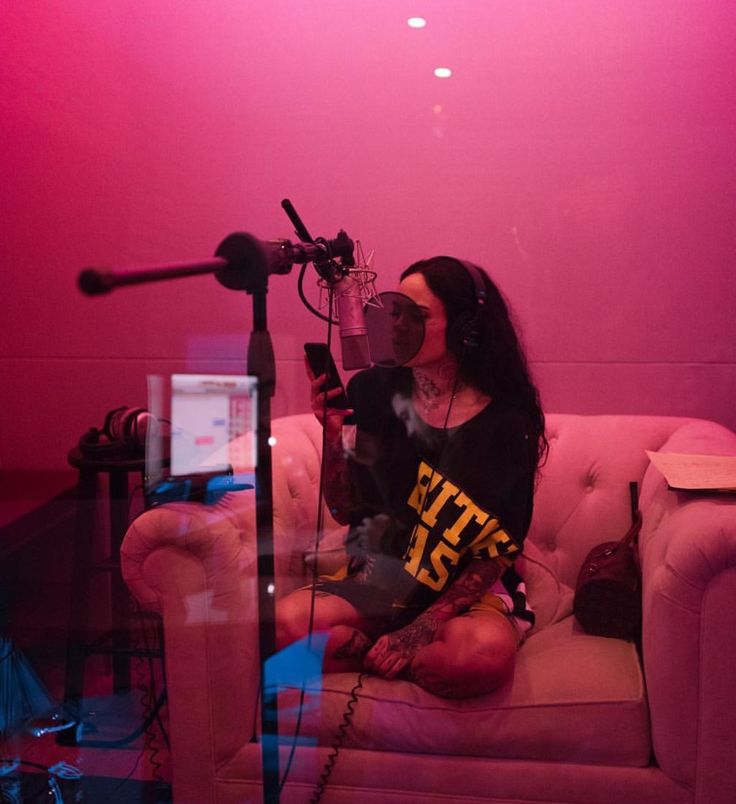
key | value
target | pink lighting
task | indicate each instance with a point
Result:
(587, 151)
(416, 22)
(442, 72)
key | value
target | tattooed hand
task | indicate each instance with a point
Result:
(330, 417)
(395, 651)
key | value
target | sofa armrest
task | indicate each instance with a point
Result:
(194, 565)
(688, 551)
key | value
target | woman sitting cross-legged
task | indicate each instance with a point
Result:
(438, 491)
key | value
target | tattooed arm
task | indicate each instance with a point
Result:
(337, 483)
(395, 651)
(337, 491)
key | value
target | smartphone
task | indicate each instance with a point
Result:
(321, 362)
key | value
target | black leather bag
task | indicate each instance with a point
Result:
(608, 590)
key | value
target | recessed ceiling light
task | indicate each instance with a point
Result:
(443, 72)
(416, 22)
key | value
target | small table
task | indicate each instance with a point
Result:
(78, 648)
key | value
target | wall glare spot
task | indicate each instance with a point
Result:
(437, 108)
(272, 441)
(443, 72)
(416, 22)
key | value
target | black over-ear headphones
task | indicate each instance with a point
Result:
(122, 436)
(465, 331)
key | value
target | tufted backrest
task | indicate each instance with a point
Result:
(582, 496)
(581, 499)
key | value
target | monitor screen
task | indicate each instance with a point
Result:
(213, 423)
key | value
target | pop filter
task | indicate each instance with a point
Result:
(395, 329)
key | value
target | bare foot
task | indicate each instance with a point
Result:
(346, 647)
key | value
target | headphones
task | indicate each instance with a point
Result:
(465, 331)
(122, 436)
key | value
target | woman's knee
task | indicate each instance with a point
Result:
(471, 658)
(295, 613)
(438, 672)
(291, 620)
(441, 676)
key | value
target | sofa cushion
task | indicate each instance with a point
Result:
(573, 697)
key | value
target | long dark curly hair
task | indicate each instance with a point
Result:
(494, 362)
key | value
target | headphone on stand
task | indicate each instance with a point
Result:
(465, 331)
(122, 436)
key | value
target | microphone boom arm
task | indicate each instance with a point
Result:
(241, 262)
(96, 281)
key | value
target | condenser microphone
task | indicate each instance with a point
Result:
(351, 320)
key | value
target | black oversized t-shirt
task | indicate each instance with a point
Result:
(453, 496)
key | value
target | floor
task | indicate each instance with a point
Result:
(115, 759)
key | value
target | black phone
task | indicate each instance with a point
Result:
(321, 362)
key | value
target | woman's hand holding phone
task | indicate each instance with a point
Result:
(321, 400)
(330, 405)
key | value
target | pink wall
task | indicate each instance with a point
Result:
(582, 151)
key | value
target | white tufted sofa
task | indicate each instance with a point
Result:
(583, 720)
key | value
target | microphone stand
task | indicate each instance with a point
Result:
(242, 262)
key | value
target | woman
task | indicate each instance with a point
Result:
(438, 492)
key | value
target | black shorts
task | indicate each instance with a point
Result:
(382, 614)
(376, 606)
